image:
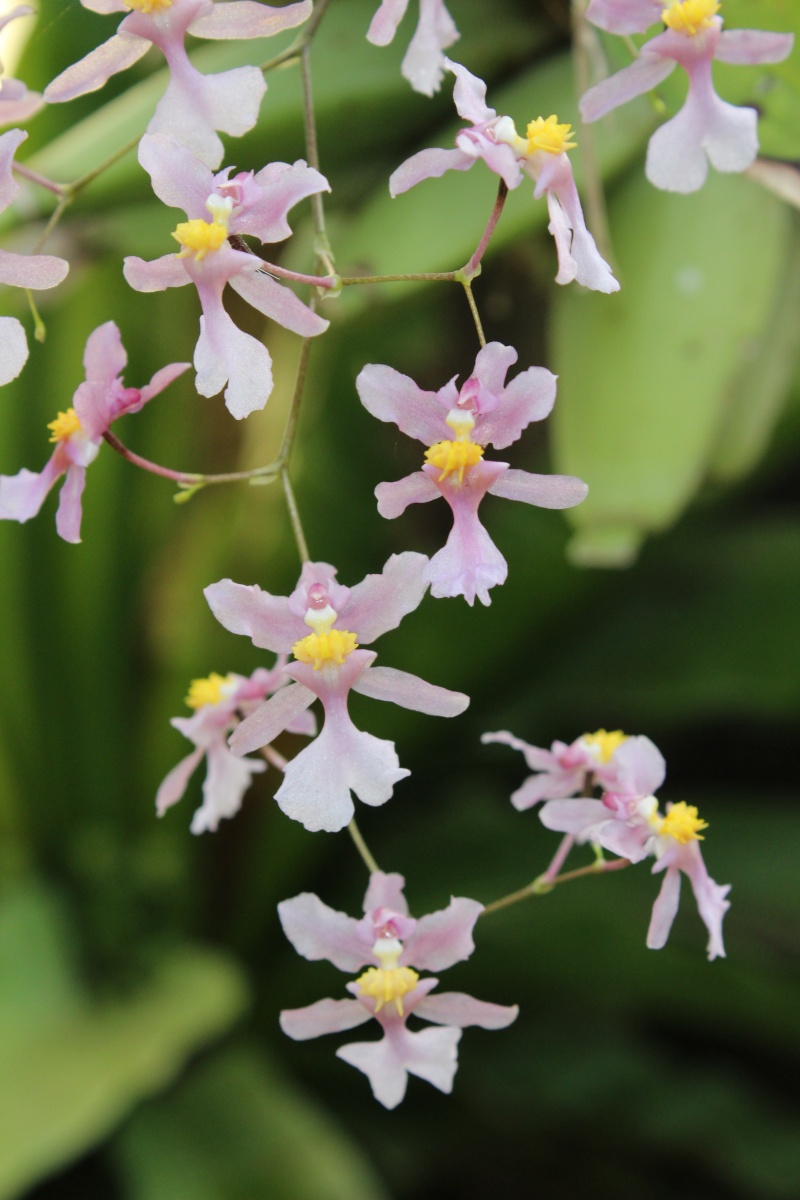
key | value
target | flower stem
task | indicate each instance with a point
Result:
(35, 177)
(362, 847)
(190, 478)
(294, 517)
(292, 53)
(582, 32)
(473, 308)
(320, 281)
(420, 277)
(559, 858)
(321, 243)
(470, 270)
(542, 885)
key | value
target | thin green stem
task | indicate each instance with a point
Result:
(191, 478)
(472, 266)
(90, 176)
(473, 309)
(39, 329)
(321, 243)
(423, 277)
(292, 53)
(294, 517)
(35, 177)
(294, 409)
(362, 847)
(542, 885)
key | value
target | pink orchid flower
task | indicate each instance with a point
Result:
(629, 765)
(423, 65)
(541, 154)
(318, 781)
(484, 412)
(390, 944)
(17, 103)
(194, 106)
(19, 270)
(217, 208)
(220, 703)
(78, 432)
(706, 129)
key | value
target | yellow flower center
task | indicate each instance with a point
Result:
(208, 691)
(149, 6)
(453, 457)
(65, 424)
(682, 823)
(389, 985)
(549, 136)
(317, 649)
(199, 237)
(690, 16)
(603, 744)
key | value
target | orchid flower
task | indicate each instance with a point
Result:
(217, 208)
(17, 103)
(424, 62)
(626, 821)
(706, 129)
(220, 702)
(78, 432)
(542, 154)
(610, 759)
(19, 270)
(194, 106)
(328, 664)
(390, 944)
(485, 411)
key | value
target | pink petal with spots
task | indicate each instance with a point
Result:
(644, 74)
(155, 276)
(35, 271)
(384, 24)
(380, 601)
(271, 718)
(457, 1009)
(624, 16)
(391, 396)
(69, 513)
(409, 691)
(424, 62)
(96, 68)
(326, 1016)
(278, 302)
(544, 491)
(750, 46)
(443, 938)
(394, 498)
(319, 932)
(266, 619)
(179, 178)
(225, 355)
(427, 164)
(247, 19)
(530, 396)
(278, 187)
(194, 106)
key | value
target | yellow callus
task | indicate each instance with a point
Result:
(603, 744)
(207, 691)
(548, 135)
(319, 649)
(683, 824)
(388, 986)
(690, 16)
(199, 237)
(453, 458)
(149, 6)
(65, 424)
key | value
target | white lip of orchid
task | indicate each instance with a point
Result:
(220, 207)
(321, 619)
(461, 422)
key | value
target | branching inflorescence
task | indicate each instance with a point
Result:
(597, 790)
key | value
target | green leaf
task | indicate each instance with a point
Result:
(71, 1068)
(643, 374)
(235, 1129)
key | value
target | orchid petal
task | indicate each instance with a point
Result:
(270, 718)
(409, 691)
(443, 938)
(96, 68)
(319, 932)
(326, 1016)
(545, 491)
(267, 620)
(247, 19)
(457, 1009)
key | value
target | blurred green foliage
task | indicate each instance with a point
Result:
(141, 969)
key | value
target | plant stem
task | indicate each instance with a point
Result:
(420, 277)
(470, 270)
(362, 847)
(473, 309)
(35, 177)
(292, 53)
(294, 517)
(542, 884)
(321, 243)
(190, 477)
